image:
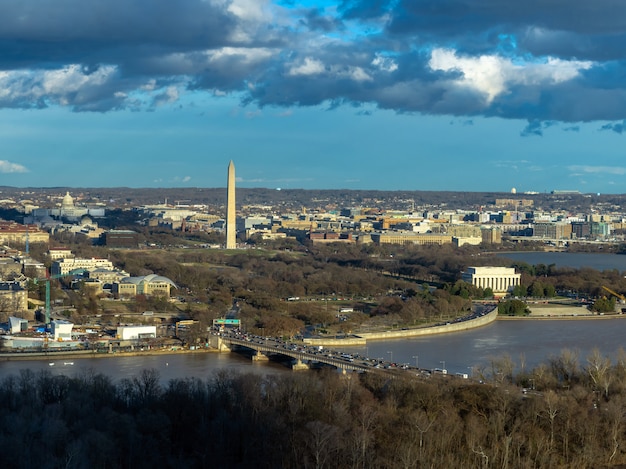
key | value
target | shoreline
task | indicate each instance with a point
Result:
(25, 356)
(363, 338)
(355, 339)
(574, 317)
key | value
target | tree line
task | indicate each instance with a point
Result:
(565, 416)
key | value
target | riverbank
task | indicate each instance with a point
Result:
(16, 356)
(556, 311)
(363, 338)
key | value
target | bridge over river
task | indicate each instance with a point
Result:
(303, 355)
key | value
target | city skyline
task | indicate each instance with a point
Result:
(314, 95)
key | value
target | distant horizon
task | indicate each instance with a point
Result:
(174, 188)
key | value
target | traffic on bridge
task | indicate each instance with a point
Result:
(305, 355)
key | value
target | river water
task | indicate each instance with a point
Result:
(598, 261)
(525, 341)
(174, 366)
(528, 341)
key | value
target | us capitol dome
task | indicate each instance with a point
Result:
(68, 210)
(67, 202)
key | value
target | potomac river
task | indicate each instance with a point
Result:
(526, 341)
(534, 340)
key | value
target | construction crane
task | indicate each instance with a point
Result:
(47, 279)
(615, 294)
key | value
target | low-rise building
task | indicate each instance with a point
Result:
(121, 239)
(13, 297)
(9, 268)
(136, 332)
(12, 233)
(147, 285)
(501, 280)
(458, 241)
(55, 254)
(61, 330)
(17, 325)
(65, 266)
(408, 237)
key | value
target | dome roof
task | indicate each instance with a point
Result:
(68, 201)
(86, 220)
(152, 278)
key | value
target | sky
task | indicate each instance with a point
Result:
(460, 95)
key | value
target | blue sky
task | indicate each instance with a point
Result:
(379, 94)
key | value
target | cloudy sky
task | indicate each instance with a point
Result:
(359, 94)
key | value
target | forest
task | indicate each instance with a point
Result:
(560, 415)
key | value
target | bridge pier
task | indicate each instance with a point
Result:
(259, 357)
(217, 343)
(298, 365)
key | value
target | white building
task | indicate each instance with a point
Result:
(62, 330)
(136, 332)
(459, 241)
(17, 325)
(501, 280)
(68, 209)
(56, 254)
(65, 266)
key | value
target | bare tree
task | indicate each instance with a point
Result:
(321, 442)
(551, 400)
(599, 370)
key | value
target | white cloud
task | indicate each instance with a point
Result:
(491, 75)
(254, 16)
(149, 85)
(61, 85)
(8, 167)
(585, 169)
(250, 10)
(308, 67)
(168, 96)
(250, 55)
(385, 64)
(73, 78)
(357, 74)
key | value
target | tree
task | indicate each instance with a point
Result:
(536, 289)
(513, 308)
(603, 305)
(599, 368)
(519, 291)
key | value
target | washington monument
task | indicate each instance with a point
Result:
(231, 214)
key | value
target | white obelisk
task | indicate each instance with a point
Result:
(231, 213)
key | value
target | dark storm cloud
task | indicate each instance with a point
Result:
(68, 31)
(536, 128)
(538, 60)
(315, 19)
(617, 127)
(577, 28)
(353, 9)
